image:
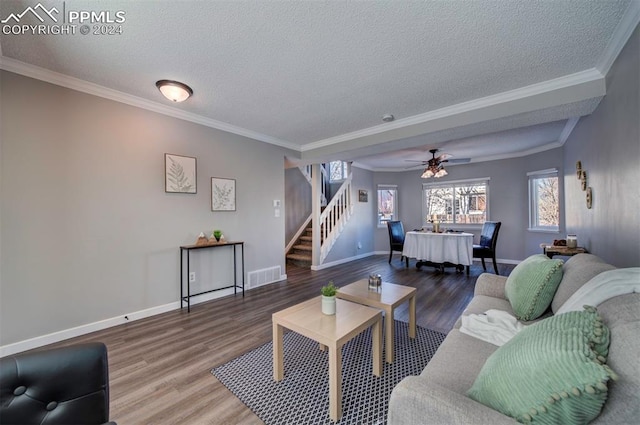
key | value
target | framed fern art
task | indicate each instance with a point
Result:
(179, 174)
(223, 194)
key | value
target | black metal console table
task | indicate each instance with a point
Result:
(188, 249)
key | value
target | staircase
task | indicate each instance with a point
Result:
(300, 252)
(330, 222)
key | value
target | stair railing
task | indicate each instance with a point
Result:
(335, 216)
(306, 171)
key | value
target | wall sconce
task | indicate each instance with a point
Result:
(174, 91)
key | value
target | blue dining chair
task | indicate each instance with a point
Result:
(487, 246)
(396, 239)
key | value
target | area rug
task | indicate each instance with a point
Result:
(302, 397)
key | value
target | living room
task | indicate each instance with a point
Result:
(90, 238)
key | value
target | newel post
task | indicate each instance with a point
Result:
(316, 190)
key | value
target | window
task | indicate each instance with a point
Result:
(338, 171)
(387, 204)
(544, 200)
(458, 202)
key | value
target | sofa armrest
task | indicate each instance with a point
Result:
(417, 400)
(491, 285)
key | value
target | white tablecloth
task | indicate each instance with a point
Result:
(456, 248)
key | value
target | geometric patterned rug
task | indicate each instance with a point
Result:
(302, 397)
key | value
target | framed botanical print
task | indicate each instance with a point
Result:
(179, 174)
(223, 194)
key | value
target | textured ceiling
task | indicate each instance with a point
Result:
(318, 76)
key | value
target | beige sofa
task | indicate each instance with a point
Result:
(437, 396)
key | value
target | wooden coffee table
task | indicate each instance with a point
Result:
(387, 298)
(329, 331)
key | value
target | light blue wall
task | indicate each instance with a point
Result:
(607, 143)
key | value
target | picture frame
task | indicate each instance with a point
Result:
(583, 180)
(180, 174)
(223, 194)
(363, 195)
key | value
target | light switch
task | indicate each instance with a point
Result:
(276, 203)
(276, 212)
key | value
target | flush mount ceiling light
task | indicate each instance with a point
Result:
(175, 91)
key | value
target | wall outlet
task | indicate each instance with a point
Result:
(192, 277)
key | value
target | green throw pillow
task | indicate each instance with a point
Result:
(591, 325)
(532, 284)
(547, 374)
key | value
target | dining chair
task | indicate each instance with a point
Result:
(396, 239)
(487, 246)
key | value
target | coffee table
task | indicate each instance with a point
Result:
(329, 331)
(387, 298)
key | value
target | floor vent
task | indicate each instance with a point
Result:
(263, 276)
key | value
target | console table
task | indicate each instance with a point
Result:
(188, 248)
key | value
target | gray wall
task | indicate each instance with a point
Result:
(608, 144)
(297, 206)
(508, 200)
(88, 232)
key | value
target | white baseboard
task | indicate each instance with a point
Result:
(39, 341)
(338, 262)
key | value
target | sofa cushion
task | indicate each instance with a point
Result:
(547, 373)
(532, 284)
(458, 361)
(577, 271)
(622, 316)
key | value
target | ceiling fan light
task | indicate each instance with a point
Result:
(427, 173)
(441, 173)
(175, 91)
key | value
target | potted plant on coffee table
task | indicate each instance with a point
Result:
(329, 298)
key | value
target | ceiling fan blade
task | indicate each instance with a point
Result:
(459, 160)
(444, 157)
(416, 160)
(415, 166)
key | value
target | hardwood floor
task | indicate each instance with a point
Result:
(160, 366)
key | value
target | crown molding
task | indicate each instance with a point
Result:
(475, 105)
(567, 130)
(42, 74)
(620, 36)
(537, 149)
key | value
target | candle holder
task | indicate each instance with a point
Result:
(375, 282)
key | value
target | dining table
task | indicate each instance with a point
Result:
(440, 250)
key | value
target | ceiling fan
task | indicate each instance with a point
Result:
(434, 167)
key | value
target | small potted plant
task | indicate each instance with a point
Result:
(329, 298)
(217, 234)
